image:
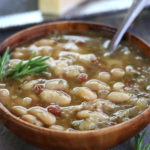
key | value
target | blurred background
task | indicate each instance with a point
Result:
(16, 15)
(19, 14)
(26, 12)
(7, 7)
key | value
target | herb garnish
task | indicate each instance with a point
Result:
(32, 66)
(139, 142)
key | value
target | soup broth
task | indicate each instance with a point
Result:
(84, 87)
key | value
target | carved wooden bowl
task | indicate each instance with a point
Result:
(84, 140)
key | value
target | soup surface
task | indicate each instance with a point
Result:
(84, 88)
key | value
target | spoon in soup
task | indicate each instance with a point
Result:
(133, 12)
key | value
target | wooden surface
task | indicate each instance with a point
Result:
(8, 141)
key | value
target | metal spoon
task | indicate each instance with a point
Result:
(133, 12)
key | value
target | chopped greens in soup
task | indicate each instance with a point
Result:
(82, 86)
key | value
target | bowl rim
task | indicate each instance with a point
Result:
(25, 124)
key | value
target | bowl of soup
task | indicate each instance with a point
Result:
(85, 98)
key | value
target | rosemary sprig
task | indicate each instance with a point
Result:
(3, 62)
(32, 66)
(139, 142)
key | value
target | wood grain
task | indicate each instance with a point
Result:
(85, 140)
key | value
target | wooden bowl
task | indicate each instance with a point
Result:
(85, 140)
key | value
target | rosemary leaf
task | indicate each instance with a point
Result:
(3, 61)
(139, 142)
(31, 67)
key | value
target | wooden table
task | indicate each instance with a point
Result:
(141, 27)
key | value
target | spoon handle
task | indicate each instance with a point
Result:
(133, 12)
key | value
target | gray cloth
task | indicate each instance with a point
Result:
(15, 6)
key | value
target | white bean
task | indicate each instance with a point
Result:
(44, 51)
(74, 70)
(39, 123)
(96, 85)
(71, 109)
(17, 55)
(44, 42)
(27, 101)
(118, 86)
(84, 92)
(99, 104)
(107, 105)
(47, 74)
(83, 114)
(41, 50)
(29, 118)
(118, 97)
(99, 116)
(57, 127)
(142, 103)
(56, 84)
(74, 56)
(148, 88)
(86, 59)
(87, 125)
(117, 73)
(51, 63)
(29, 85)
(46, 117)
(19, 110)
(57, 97)
(4, 96)
(32, 119)
(60, 68)
(129, 69)
(104, 76)
(70, 46)
(34, 97)
(103, 93)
